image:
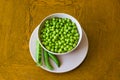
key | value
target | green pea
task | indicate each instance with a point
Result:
(68, 35)
(53, 40)
(46, 21)
(60, 20)
(62, 47)
(56, 50)
(64, 32)
(74, 45)
(56, 47)
(57, 31)
(65, 49)
(69, 28)
(76, 34)
(53, 19)
(52, 50)
(48, 47)
(61, 24)
(67, 24)
(64, 44)
(74, 27)
(70, 44)
(57, 44)
(73, 24)
(63, 21)
(60, 50)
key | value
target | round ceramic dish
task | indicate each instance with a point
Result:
(60, 15)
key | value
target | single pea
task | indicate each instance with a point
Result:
(56, 50)
(60, 33)
(61, 24)
(56, 47)
(62, 41)
(77, 37)
(74, 45)
(57, 26)
(65, 27)
(71, 40)
(68, 35)
(64, 32)
(52, 50)
(63, 21)
(48, 47)
(76, 31)
(62, 38)
(76, 34)
(53, 46)
(73, 24)
(72, 31)
(70, 44)
(64, 44)
(56, 19)
(74, 27)
(59, 20)
(51, 23)
(62, 47)
(54, 37)
(69, 28)
(47, 25)
(60, 50)
(57, 31)
(67, 46)
(67, 24)
(43, 36)
(46, 21)
(53, 19)
(65, 49)
(52, 29)
(70, 24)
(43, 43)
(59, 43)
(70, 48)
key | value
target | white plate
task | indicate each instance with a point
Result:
(68, 61)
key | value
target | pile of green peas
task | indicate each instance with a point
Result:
(59, 35)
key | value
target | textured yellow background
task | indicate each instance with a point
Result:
(99, 18)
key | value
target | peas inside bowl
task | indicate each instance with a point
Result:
(59, 35)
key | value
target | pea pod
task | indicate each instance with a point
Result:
(47, 62)
(55, 59)
(38, 53)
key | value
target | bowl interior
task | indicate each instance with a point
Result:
(60, 15)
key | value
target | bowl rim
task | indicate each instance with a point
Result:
(79, 31)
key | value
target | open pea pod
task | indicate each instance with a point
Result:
(55, 59)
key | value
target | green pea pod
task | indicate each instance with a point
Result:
(55, 59)
(47, 62)
(38, 53)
